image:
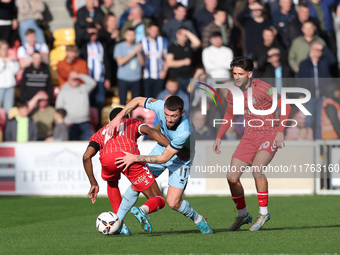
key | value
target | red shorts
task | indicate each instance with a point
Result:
(138, 173)
(252, 144)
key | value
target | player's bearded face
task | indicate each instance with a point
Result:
(172, 117)
(241, 77)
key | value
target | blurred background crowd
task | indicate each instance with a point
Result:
(58, 85)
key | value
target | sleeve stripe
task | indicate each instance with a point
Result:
(146, 101)
(143, 124)
(174, 147)
(95, 145)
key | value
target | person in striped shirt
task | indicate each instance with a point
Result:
(154, 49)
(125, 140)
(263, 135)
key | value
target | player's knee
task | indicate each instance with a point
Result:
(174, 204)
(233, 180)
(258, 174)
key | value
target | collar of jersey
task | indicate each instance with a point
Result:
(251, 82)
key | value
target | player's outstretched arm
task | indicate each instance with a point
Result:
(133, 104)
(129, 158)
(87, 162)
(161, 139)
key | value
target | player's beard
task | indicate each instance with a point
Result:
(173, 124)
(241, 82)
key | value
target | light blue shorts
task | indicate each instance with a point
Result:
(179, 170)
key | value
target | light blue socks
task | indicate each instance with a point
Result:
(129, 199)
(188, 211)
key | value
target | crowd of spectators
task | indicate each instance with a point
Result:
(157, 48)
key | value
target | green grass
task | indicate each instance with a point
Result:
(63, 225)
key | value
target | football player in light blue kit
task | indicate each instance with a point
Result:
(177, 157)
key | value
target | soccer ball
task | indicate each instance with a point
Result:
(108, 223)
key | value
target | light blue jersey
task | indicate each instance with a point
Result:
(180, 138)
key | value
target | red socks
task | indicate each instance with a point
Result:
(262, 197)
(239, 202)
(114, 195)
(154, 204)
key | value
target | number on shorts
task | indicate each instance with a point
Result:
(264, 145)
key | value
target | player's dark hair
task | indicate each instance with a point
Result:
(174, 103)
(140, 117)
(115, 112)
(242, 62)
(62, 112)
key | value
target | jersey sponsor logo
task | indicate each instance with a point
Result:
(140, 179)
(144, 178)
(152, 100)
(270, 91)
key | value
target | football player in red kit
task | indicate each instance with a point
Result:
(258, 145)
(111, 148)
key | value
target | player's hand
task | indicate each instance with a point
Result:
(216, 146)
(279, 140)
(113, 126)
(126, 161)
(93, 193)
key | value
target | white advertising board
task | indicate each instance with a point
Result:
(56, 169)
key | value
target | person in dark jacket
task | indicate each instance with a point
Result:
(86, 16)
(275, 70)
(36, 77)
(315, 77)
(9, 21)
(294, 27)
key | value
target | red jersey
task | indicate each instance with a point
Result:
(261, 100)
(125, 140)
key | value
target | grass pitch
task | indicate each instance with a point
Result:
(63, 225)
